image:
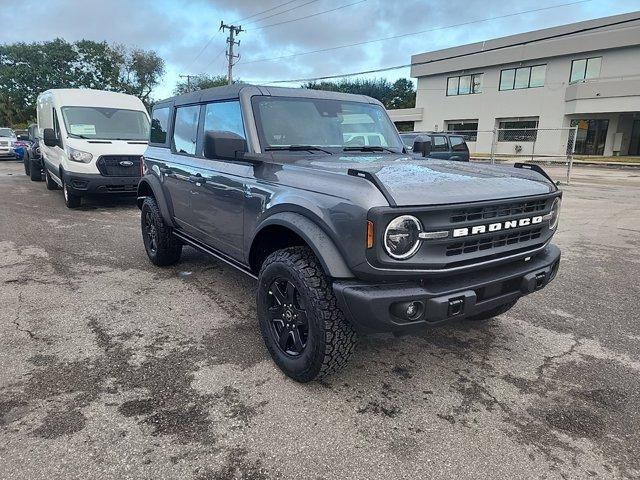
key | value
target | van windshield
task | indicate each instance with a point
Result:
(6, 132)
(106, 123)
(333, 125)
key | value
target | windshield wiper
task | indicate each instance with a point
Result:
(298, 148)
(368, 148)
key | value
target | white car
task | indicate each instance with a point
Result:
(92, 142)
(7, 141)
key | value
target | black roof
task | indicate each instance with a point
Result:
(234, 91)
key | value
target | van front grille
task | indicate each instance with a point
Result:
(119, 165)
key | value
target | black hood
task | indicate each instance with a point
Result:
(412, 182)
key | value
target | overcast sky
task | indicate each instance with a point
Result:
(178, 30)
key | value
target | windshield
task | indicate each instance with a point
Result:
(328, 124)
(6, 132)
(106, 123)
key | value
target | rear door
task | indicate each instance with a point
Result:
(459, 148)
(439, 147)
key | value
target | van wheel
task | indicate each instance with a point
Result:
(27, 163)
(51, 183)
(162, 247)
(494, 312)
(35, 170)
(70, 200)
(303, 328)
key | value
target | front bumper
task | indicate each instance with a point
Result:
(7, 152)
(95, 184)
(375, 307)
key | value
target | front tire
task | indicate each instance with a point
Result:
(70, 200)
(163, 249)
(50, 182)
(35, 170)
(302, 326)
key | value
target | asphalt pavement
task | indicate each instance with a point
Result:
(112, 368)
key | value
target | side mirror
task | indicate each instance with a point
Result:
(422, 145)
(223, 145)
(49, 137)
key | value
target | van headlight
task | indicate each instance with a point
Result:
(554, 215)
(79, 155)
(401, 238)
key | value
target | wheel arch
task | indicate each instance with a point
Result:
(149, 186)
(287, 229)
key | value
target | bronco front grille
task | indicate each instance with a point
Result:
(498, 211)
(118, 165)
(493, 241)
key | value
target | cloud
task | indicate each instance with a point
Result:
(178, 30)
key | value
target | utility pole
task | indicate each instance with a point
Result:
(233, 31)
(188, 77)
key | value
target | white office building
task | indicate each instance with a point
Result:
(584, 74)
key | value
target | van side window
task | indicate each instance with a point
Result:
(439, 144)
(224, 117)
(185, 130)
(159, 125)
(457, 144)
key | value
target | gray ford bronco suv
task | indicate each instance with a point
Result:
(343, 238)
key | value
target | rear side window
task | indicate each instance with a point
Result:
(458, 144)
(185, 130)
(224, 117)
(439, 144)
(159, 125)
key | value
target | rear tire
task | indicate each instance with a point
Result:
(303, 328)
(27, 163)
(71, 200)
(494, 312)
(163, 249)
(50, 182)
(35, 170)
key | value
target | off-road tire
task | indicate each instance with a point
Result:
(331, 339)
(494, 312)
(167, 249)
(35, 170)
(26, 160)
(51, 183)
(70, 200)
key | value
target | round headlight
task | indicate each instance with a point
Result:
(401, 238)
(555, 214)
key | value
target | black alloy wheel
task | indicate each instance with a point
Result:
(288, 316)
(151, 232)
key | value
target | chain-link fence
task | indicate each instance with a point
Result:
(536, 145)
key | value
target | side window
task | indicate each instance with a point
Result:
(159, 125)
(224, 117)
(185, 130)
(439, 144)
(457, 144)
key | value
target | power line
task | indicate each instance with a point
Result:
(308, 16)
(414, 33)
(264, 11)
(426, 62)
(284, 11)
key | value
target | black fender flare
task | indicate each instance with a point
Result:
(150, 182)
(322, 245)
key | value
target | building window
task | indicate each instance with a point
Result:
(518, 131)
(464, 84)
(585, 68)
(592, 136)
(523, 77)
(469, 130)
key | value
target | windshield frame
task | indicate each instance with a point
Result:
(266, 146)
(97, 137)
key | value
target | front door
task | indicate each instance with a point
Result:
(439, 147)
(217, 199)
(592, 135)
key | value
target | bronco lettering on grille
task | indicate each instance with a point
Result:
(494, 227)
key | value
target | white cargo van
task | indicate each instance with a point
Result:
(92, 142)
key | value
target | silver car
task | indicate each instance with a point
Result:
(7, 142)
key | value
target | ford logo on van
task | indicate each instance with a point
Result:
(126, 163)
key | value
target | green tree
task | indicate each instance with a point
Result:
(399, 94)
(26, 70)
(200, 82)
